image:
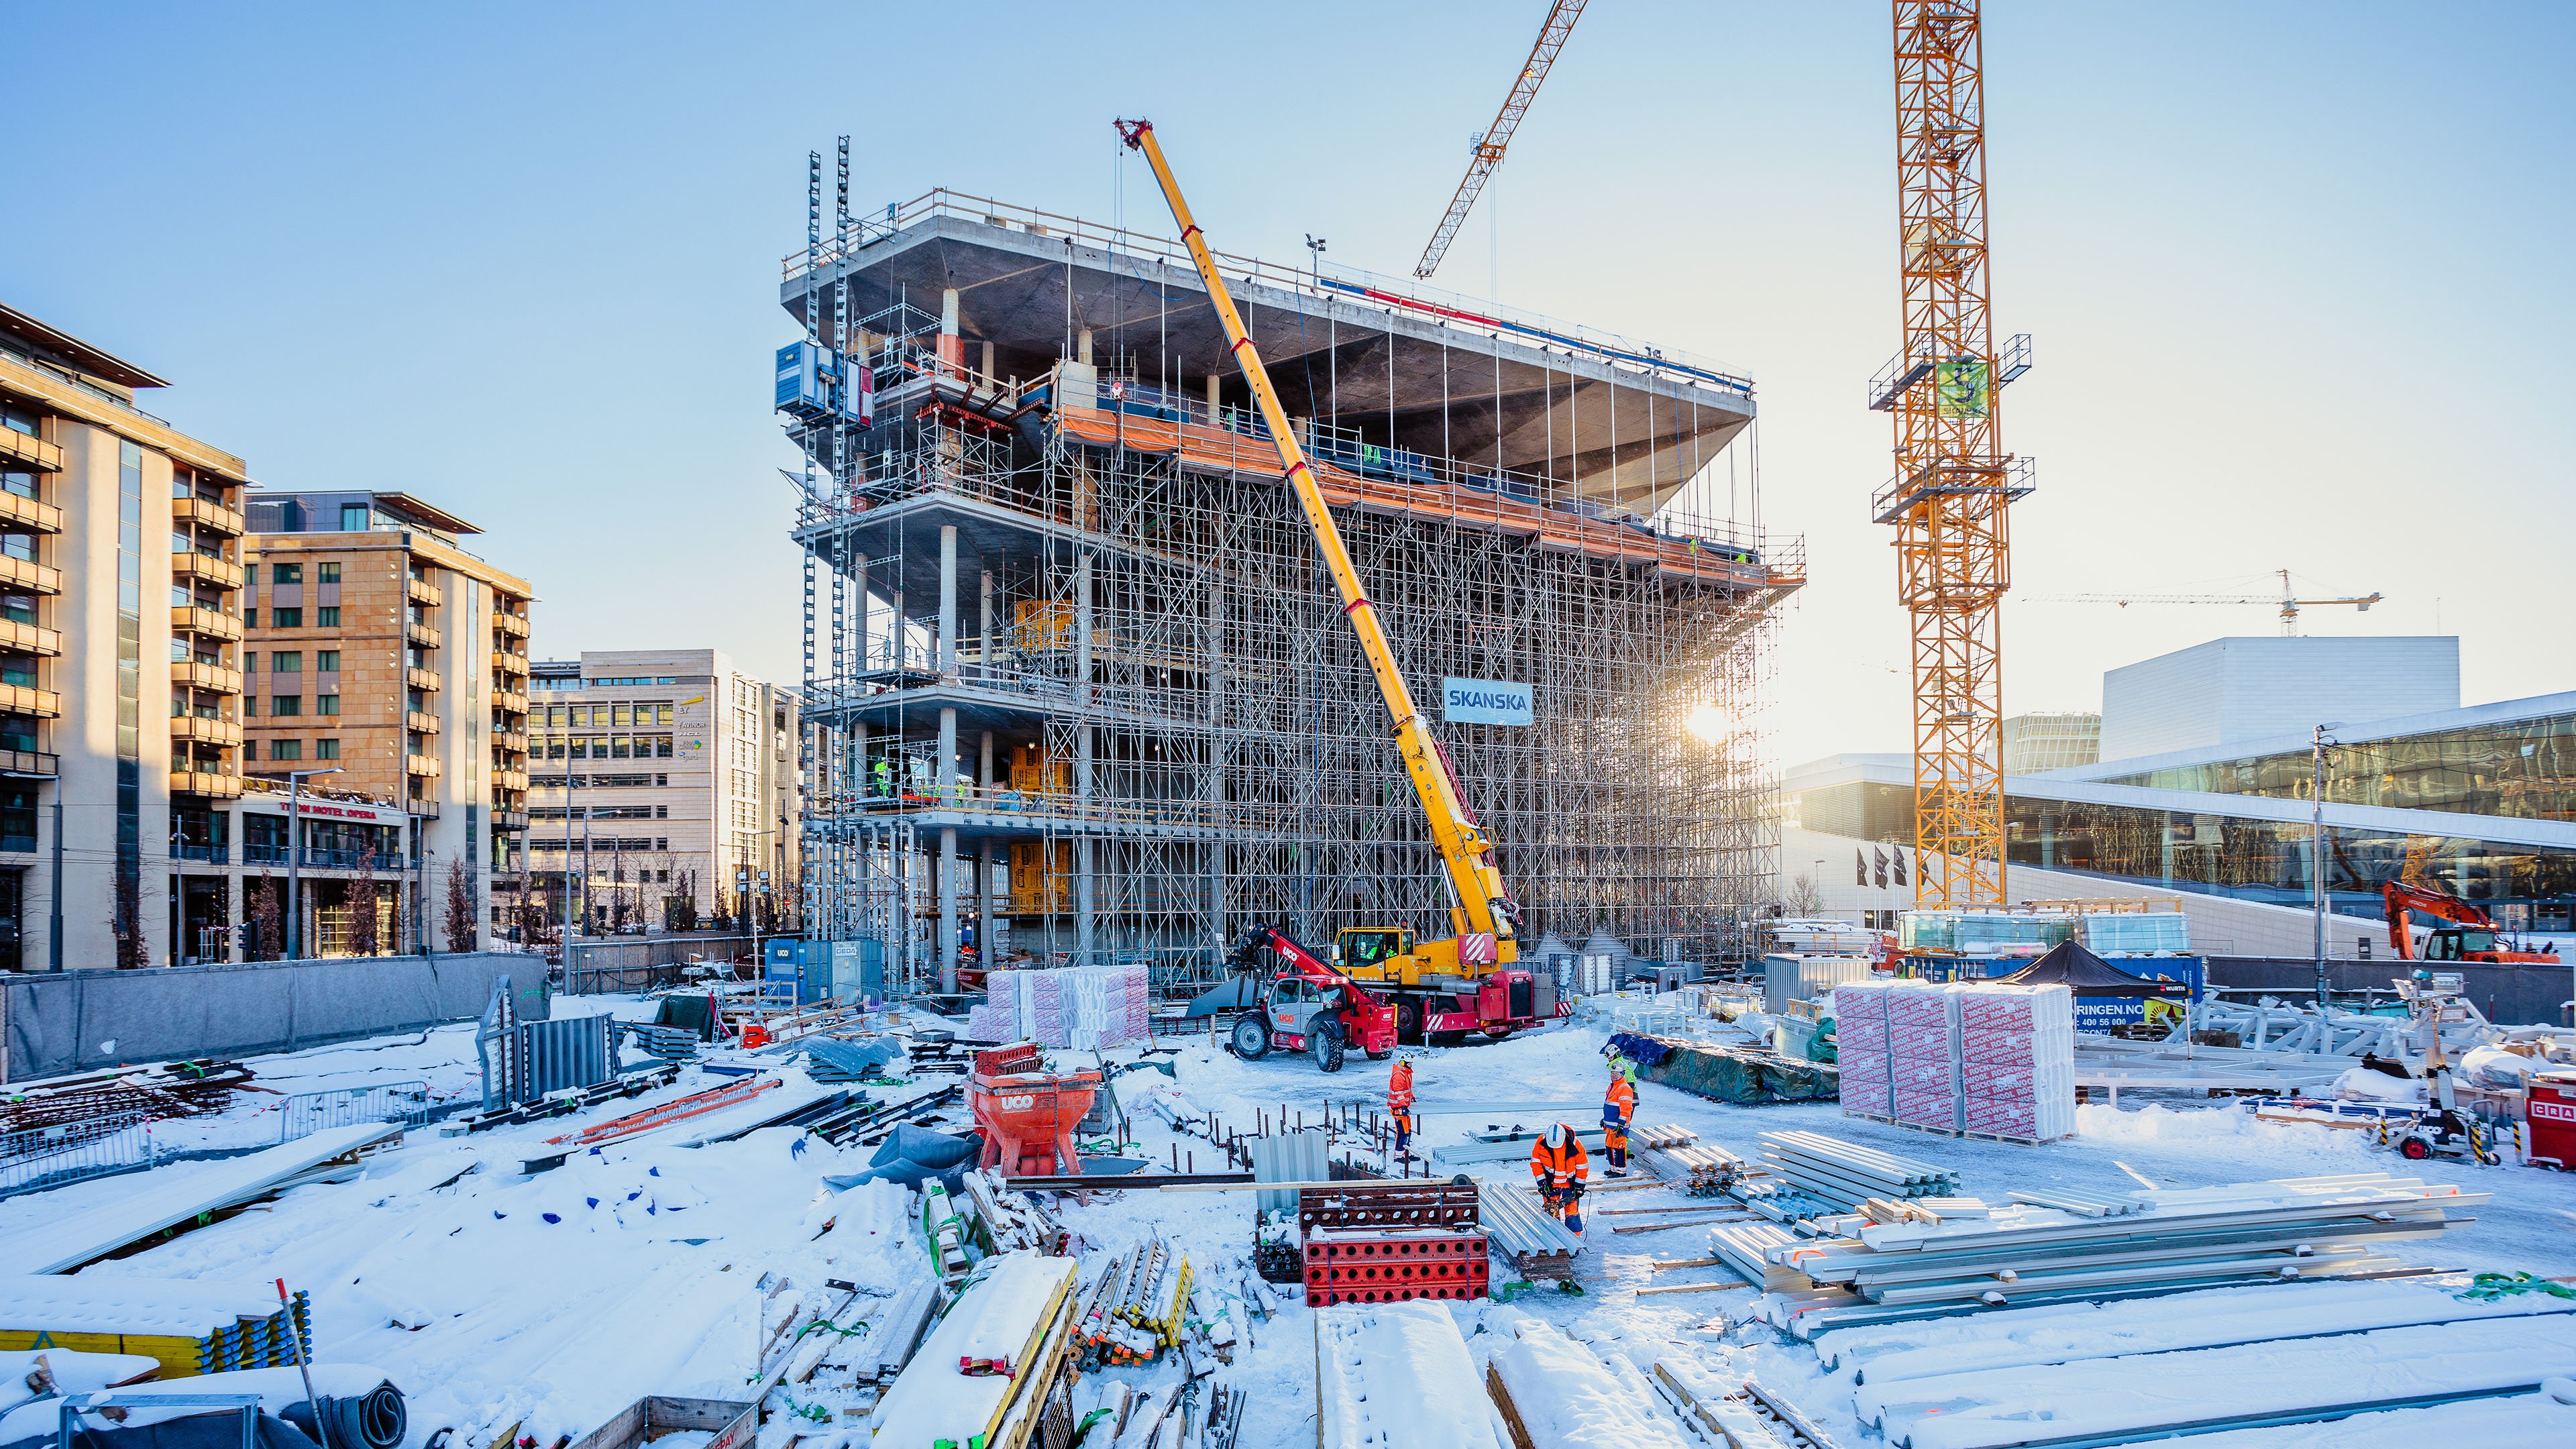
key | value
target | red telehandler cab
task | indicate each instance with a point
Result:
(1304, 1003)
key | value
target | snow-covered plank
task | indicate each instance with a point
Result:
(1991, 1407)
(1396, 1376)
(1555, 1391)
(1002, 1316)
(157, 1201)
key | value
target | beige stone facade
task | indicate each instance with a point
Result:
(683, 784)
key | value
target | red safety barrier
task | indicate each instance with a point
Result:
(1348, 1267)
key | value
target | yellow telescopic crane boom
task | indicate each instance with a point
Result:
(1485, 903)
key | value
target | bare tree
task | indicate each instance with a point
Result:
(365, 937)
(462, 934)
(266, 918)
(126, 922)
(1805, 897)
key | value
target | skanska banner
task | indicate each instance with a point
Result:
(1484, 701)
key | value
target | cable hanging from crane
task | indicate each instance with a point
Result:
(1498, 136)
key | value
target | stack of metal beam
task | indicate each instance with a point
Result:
(1701, 1169)
(1848, 1175)
(2175, 1240)
(1534, 1242)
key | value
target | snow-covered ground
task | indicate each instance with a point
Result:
(494, 1298)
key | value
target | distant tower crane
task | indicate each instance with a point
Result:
(1953, 480)
(1489, 147)
(2288, 603)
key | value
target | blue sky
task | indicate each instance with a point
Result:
(2297, 272)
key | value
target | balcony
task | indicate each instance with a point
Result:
(205, 782)
(261, 853)
(204, 623)
(207, 514)
(26, 699)
(509, 665)
(35, 578)
(30, 765)
(196, 729)
(510, 624)
(509, 820)
(223, 573)
(421, 678)
(510, 780)
(424, 635)
(30, 639)
(425, 766)
(26, 514)
(510, 741)
(26, 451)
(422, 591)
(420, 722)
(210, 854)
(214, 678)
(510, 701)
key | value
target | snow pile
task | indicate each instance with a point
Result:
(1567, 1399)
(1397, 1376)
(2363, 1084)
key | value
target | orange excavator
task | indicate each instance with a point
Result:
(2472, 935)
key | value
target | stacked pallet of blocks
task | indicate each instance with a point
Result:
(2017, 1061)
(1860, 1047)
(1084, 1007)
(1923, 1054)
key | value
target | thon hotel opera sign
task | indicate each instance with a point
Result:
(1484, 701)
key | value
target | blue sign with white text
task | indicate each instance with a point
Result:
(1484, 701)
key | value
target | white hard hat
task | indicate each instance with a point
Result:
(1556, 1136)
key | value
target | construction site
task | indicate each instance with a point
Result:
(1299, 942)
(1065, 626)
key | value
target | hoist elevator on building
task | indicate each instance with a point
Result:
(1484, 701)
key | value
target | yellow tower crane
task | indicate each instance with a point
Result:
(1486, 918)
(1498, 136)
(1953, 479)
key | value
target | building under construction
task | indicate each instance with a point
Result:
(1065, 627)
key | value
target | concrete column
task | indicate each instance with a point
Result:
(988, 361)
(948, 909)
(988, 858)
(1212, 383)
(984, 763)
(984, 625)
(945, 787)
(1082, 346)
(947, 661)
(948, 312)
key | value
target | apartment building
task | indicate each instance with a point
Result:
(104, 510)
(386, 661)
(665, 787)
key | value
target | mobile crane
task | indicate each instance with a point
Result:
(1466, 981)
(2472, 936)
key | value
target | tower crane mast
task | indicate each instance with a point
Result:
(1953, 479)
(1498, 136)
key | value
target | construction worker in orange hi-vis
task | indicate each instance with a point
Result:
(1399, 1105)
(1558, 1164)
(1618, 1114)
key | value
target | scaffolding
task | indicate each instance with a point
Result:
(1071, 628)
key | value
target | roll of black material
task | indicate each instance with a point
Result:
(373, 1420)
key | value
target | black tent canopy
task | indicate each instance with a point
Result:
(2085, 974)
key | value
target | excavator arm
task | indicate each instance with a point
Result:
(2400, 897)
(1485, 903)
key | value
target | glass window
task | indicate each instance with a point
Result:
(353, 518)
(287, 661)
(286, 618)
(662, 747)
(250, 750)
(327, 617)
(327, 661)
(326, 749)
(250, 618)
(326, 704)
(250, 661)
(286, 749)
(618, 747)
(286, 704)
(328, 573)
(286, 573)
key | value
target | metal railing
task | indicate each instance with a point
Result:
(67, 1152)
(1347, 285)
(306, 1113)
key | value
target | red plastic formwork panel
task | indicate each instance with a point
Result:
(1343, 1268)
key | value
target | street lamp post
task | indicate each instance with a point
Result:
(2317, 851)
(295, 858)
